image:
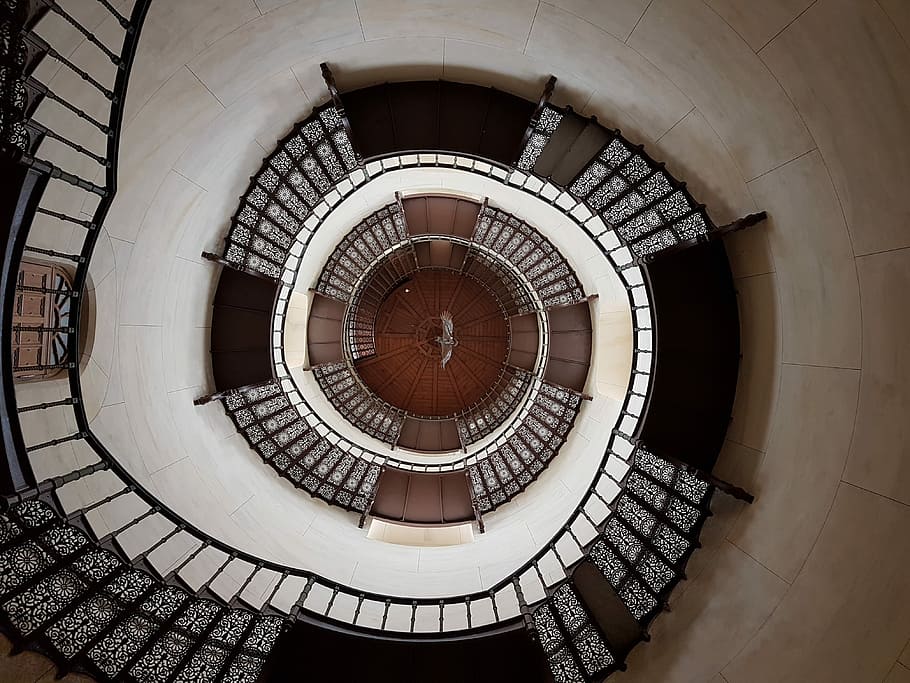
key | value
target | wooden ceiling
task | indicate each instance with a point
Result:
(406, 370)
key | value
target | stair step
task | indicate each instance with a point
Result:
(586, 147)
(559, 144)
(620, 628)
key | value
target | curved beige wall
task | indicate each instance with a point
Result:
(796, 107)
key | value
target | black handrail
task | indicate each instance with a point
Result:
(18, 210)
(131, 43)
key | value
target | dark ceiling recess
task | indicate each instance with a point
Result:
(421, 498)
(324, 330)
(429, 436)
(508, 656)
(569, 354)
(429, 215)
(242, 330)
(697, 337)
(438, 115)
(525, 340)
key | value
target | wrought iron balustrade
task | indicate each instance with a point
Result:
(482, 419)
(533, 441)
(357, 404)
(306, 166)
(532, 254)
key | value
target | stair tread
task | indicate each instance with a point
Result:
(559, 144)
(586, 146)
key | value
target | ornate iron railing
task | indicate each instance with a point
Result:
(532, 254)
(532, 444)
(357, 404)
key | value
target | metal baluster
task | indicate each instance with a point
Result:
(268, 600)
(39, 129)
(56, 442)
(568, 529)
(64, 217)
(43, 90)
(59, 174)
(124, 22)
(104, 540)
(40, 45)
(98, 503)
(42, 329)
(301, 599)
(140, 558)
(235, 600)
(72, 293)
(360, 599)
(204, 587)
(45, 406)
(192, 556)
(552, 547)
(68, 18)
(385, 614)
(523, 607)
(328, 608)
(539, 574)
(56, 254)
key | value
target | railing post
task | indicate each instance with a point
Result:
(523, 607)
(332, 87)
(215, 258)
(218, 395)
(721, 485)
(478, 517)
(369, 506)
(715, 234)
(545, 96)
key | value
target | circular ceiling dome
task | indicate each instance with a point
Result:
(422, 367)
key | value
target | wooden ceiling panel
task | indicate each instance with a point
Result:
(406, 370)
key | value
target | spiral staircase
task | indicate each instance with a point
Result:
(155, 598)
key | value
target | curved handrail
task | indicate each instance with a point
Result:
(15, 246)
